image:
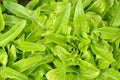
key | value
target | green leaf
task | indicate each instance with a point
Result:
(11, 20)
(62, 20)
(7, 72)
(100, 52)
(83, 43)
(116, 45)
(93, 20)
(58, 39)
(53, 75)
(2, 23)
(18, 10)
(12, 55)
(79, 20)
(40, 71)
(28, 46)
(109, 3)
(101, 62)
(109, 33)
(3, 57)
(32, 4)
(111, 11)
(72, 76)
(116, 18)
(21, 11)
(110, 74)
(34, 33)
(12, 33)
(86, 3)
(97, 6)
(58, 73)
(87, 55)
(31, 62)
(62, 53)
(86, 69)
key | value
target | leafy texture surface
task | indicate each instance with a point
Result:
(60, 40)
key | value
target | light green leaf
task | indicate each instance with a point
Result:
(28, 46)
(72, 76)
(12, 33)
(97, 6)
(7, 72)
(12, 55)
(86, 69)
(31, 62)
(18, 10)
(58, 39)
(83, 43)
(63, 54)
(3, 57)
(93, 20)
(79, 20)
(21, 11)
(109, 74)
(62, 20)
(32, 4)
(102, 53)
(2, 23)
(116, 18)
(109, 3)
(58, 73)
(53, 75)
(109, 33)
(86, 2)
(11, 20)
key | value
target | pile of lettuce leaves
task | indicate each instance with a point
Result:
(60, 40)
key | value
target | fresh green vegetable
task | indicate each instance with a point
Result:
(12, 33)
(2, 22)
(59, 40)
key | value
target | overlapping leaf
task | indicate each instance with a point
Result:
(59, 40)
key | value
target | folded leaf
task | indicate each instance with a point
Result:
(31, 62)
(58, 39)
(58, 73)
(110, 74)
(72, 76)
(32, 4)
(79, 20)
(109, 33)
(87, 55)
(93, 20)
(62, 53)
(18, 10)
(83, 43)
(101, 62)
(2, 23)
(12, 33)
(62, 20)
(109, 4)
(3, 57)
(86, 69)
(7, 72)
(11, 20)
(28, 46)
(21, 11)
(98, 6)
(98, 51)
(53, 75)
(12, 55)
(86, 3)
(117, 45)
(116, 18)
